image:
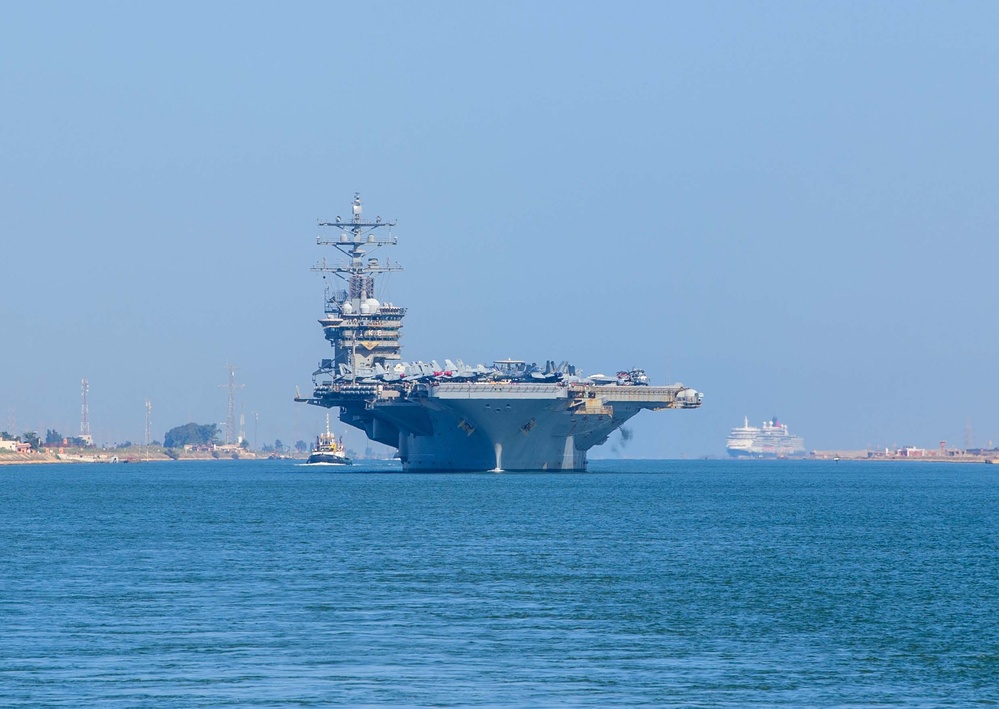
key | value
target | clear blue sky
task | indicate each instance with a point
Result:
(789, 206)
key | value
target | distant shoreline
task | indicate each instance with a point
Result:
(134, 454)
(927, 457)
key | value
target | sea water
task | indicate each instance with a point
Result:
(658, 583)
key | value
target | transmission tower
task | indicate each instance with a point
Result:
(85, 415)
(230, 419)
(149, 423)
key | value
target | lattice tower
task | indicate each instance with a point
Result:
(230, 419)
(85, 412)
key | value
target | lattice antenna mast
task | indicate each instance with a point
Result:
(364, 332)
(149, 423)
(230, 419)
(357, 239)
(85, 412)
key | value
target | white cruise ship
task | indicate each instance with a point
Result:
(771, 441)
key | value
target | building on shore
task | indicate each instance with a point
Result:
(14, 446)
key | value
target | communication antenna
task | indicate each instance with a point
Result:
(363, 331)
(968, 435)
(149, 426)
(242, 426)
(85, 414)
(230, 419)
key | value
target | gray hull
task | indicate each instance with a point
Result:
(502, 426)
(493, 431)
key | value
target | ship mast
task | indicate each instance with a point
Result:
(363, 331)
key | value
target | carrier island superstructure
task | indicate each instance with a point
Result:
(512, 415)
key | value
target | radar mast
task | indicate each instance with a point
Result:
(363, 331)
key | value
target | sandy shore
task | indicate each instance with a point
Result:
(122, 456)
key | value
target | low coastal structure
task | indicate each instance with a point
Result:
(133, 454)
(913, 453)
(14, 446)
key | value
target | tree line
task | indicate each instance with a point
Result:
(190, 434)
(52, 438)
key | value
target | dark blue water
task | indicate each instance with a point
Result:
(640, 583)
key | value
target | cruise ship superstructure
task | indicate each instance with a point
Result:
(511, 415)
(771, 440)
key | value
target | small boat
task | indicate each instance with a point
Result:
(328, 450)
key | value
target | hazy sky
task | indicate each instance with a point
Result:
(789, 206)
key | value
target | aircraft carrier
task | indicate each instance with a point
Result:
(511, 415)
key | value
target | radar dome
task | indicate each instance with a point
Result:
(689, 396)
(347, 308)
(373, 304)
